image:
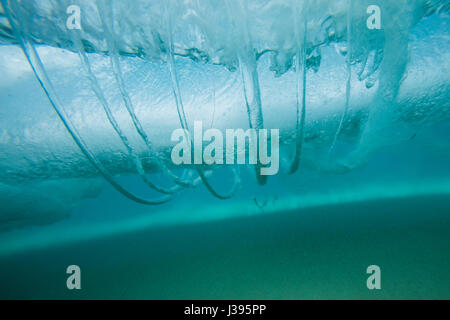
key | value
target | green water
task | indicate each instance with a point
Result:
(314, 253)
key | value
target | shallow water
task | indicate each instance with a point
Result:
(319, 253)
(86, 119)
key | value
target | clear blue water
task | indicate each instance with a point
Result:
(372, 186)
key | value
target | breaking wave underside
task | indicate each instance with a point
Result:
(266, 47)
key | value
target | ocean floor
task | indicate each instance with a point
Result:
(312, 253)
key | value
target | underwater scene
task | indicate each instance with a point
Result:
(224, 149)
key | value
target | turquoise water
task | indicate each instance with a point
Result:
(86, 118)
(310, 246)
(319, 253)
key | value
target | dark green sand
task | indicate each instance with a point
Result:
(313, 253)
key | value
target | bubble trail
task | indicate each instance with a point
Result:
(39, 70)
(108, 27)
(348, 84)
(300, 68)
(182, 115)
